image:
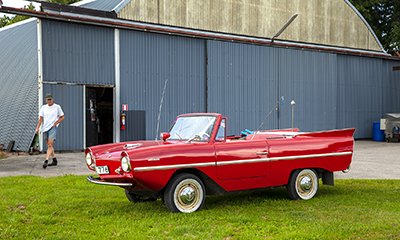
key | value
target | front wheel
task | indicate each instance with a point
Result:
(303, 184)
(184, 193)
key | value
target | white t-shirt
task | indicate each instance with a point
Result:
(50, 115)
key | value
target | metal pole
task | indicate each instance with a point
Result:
(292, 103)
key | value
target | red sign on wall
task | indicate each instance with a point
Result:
(124, 107)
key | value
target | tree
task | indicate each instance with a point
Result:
(384, 18)
(4, 21)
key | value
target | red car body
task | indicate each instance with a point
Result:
(197, 158)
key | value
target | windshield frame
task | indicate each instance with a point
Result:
(190, 135)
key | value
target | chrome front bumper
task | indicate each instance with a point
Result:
(101, 182)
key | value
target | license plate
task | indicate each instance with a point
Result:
(102, 170)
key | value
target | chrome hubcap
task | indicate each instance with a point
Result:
(306, 184)
(187, 195)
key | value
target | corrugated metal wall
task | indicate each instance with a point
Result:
(360, 90)
(77, 53)
(330, 90)
(241, 81)
(70, 133)
(310, 79)
(391, 88)
(19, 84)
(243, 84)
(147, 61)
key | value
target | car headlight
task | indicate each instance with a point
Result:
(126, 164)
(90, 161)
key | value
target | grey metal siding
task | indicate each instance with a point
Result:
(390, 88)
(310, 79)
(243, 84)
(330, 90)
(147, 61)
(135, 128)
(19, 84)
(77, 53)
(360, 90)
(70, 134)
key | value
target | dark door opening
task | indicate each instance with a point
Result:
(99, 115)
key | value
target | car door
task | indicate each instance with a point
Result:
(240, 159)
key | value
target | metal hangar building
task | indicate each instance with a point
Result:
(99, 56)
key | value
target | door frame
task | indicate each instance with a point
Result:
(115, 113)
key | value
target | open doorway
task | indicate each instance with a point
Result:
(99, 115)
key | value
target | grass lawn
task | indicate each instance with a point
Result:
(70, 207)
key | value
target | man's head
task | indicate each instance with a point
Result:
(48, 96)
(49, 99)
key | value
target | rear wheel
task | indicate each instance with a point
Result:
(303, 184)
(184, 193)
(138, 198)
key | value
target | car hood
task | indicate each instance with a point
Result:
(114, 150)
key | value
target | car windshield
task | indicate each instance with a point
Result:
(188, 127)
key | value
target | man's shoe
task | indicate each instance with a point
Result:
(45, 164)
(53, 163)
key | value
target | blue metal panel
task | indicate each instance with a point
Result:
(70, 134)
(243, 84)
(391, 88)
(19, 84)
(77, 53)
(310, 79)
(147, 61)
(360, 90)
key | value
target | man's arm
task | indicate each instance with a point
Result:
(39, 123)
(59, 121)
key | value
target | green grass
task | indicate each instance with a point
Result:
(70, 207)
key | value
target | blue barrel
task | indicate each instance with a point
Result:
(378, 134)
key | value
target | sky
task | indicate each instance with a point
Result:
(15, 4)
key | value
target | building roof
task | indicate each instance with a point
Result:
(103, 5)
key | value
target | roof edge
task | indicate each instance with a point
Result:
(17, 24)
(366, 23)
(61, 8)
(82, 2)
(121, 5)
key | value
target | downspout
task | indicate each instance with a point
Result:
(117, 89)
(40, 75)
(84, 116)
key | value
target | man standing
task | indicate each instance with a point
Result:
(50, 115)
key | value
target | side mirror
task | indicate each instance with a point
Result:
(164, 136)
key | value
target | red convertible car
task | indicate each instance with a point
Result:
(196, 158)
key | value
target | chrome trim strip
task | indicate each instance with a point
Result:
(311, 156)
(224, 163)
(99, 181)
(165, 167)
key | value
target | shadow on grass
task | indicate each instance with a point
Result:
(343, 191)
